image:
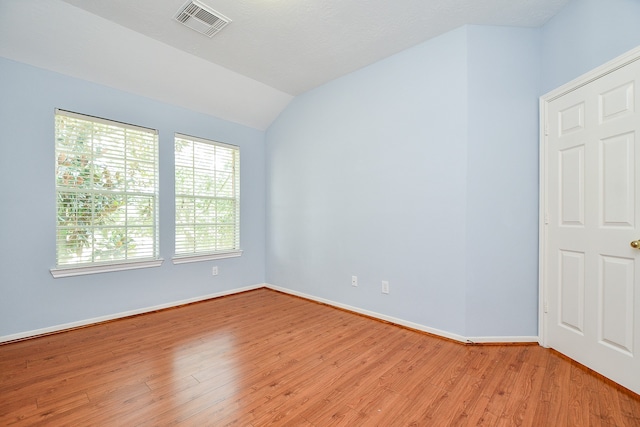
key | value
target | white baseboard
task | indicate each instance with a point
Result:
(503, 340)
(92, 321)
(395, 320)
(412, 325)
(373, 314)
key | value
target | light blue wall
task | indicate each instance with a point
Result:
(30, 298)
(367, 177)
(586, 34)
(502, 186)
(421, 170)
(425, 174)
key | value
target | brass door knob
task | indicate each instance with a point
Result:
(635, 244)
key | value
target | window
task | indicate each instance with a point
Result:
(106, 195)
(207, 186)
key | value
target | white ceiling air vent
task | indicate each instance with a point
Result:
(201, 18)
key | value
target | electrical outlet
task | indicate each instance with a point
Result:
(354, 280)
(385, 287)
(214, 270)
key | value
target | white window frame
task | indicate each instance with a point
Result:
(127, 262)
(195, 255)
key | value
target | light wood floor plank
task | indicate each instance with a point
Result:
(263, 358)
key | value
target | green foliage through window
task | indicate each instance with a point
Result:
(106, 189)
(207, 186)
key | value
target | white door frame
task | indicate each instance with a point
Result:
(619, 62)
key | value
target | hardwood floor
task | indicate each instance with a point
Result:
(264, 358)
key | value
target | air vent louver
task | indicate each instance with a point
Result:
(201, 18)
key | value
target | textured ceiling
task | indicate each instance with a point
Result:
(295, 45)
(247, 73)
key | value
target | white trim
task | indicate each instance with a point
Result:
(542, 226)
(503, 340)
(190, 138)
(87, 322)
(588, 77)
(394, 320)
(183, 259)
(105, 268)
(416, 326)
(607, 68)
(373, 314)
(101, 120)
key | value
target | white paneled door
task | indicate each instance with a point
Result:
(591, 209)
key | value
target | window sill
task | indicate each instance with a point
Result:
(104, 268)
(183, 259)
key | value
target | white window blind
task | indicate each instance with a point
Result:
(106, 192)
(207, 189)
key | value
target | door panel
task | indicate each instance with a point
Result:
(617, 180)
(572, 290)
(572, 185)
(593, 213)
(617, 102)
(616, 289)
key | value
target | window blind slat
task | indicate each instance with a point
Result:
(107, 122)
(207, 191)
(107, 191)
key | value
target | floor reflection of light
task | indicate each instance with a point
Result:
(198, 373)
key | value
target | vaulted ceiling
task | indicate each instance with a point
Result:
(272, 50)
